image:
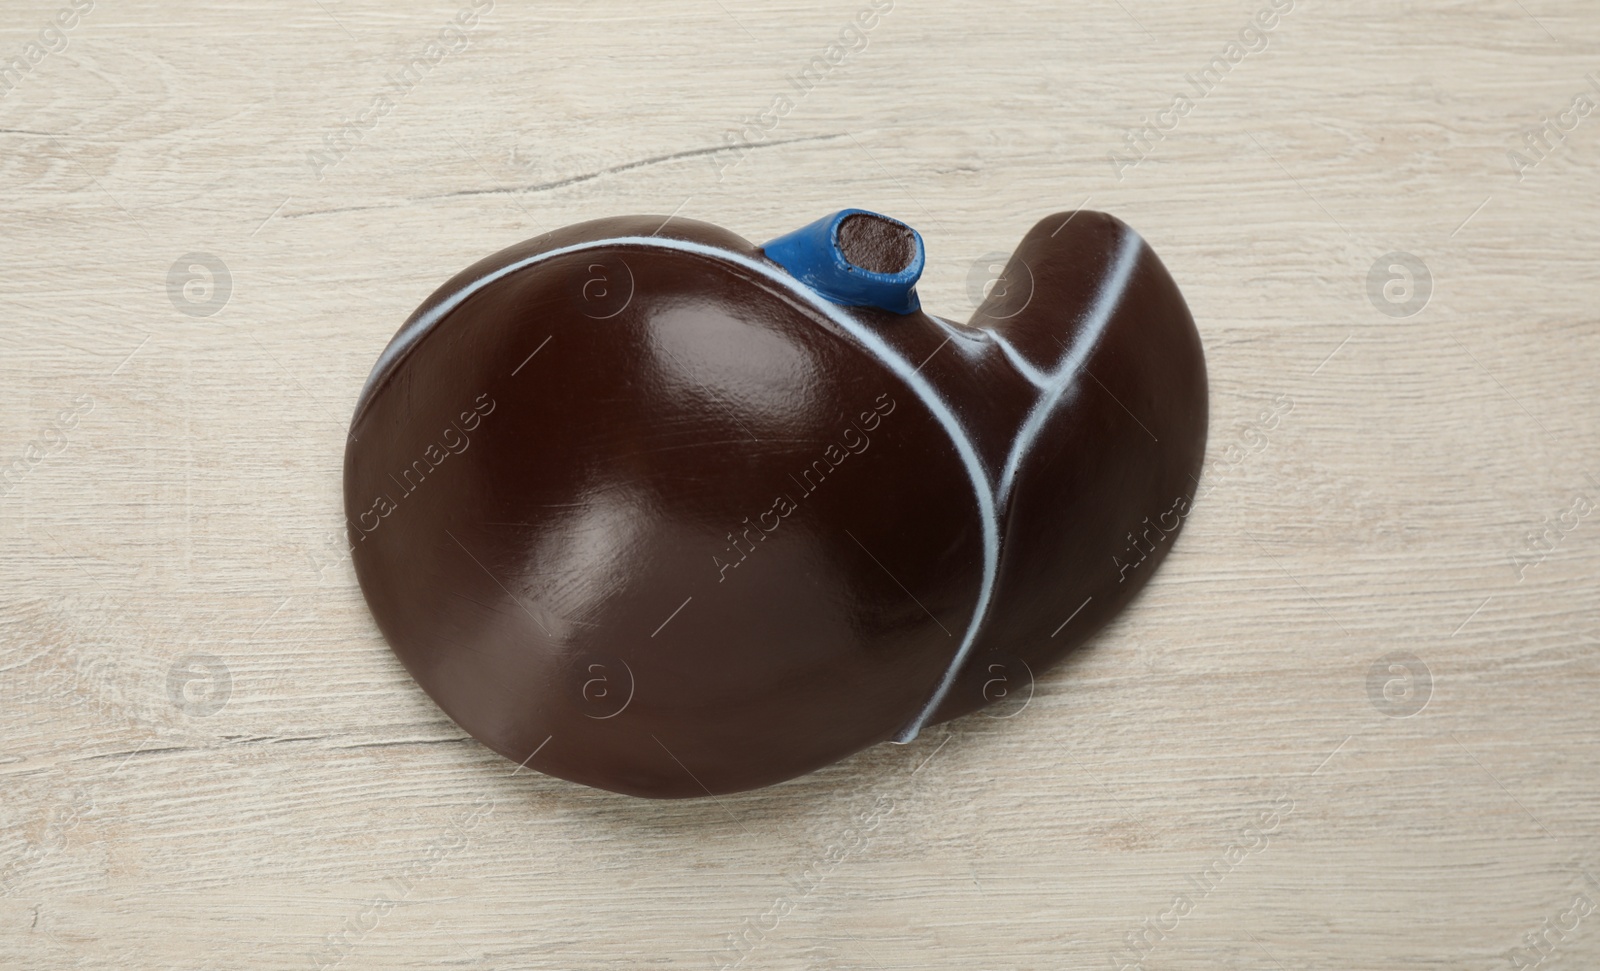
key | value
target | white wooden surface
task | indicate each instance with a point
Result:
(181, 495)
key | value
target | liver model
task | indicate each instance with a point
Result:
(651, 508)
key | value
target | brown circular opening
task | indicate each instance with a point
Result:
(876, 244)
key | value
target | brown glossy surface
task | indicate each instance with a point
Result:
(669, 529)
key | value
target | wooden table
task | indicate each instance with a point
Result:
(1351, 723)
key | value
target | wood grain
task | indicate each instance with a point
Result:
(174, 488)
